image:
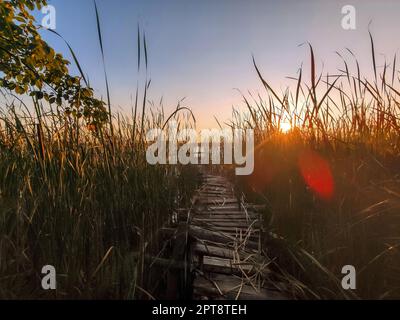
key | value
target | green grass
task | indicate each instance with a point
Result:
(81, 196)
(83, 201)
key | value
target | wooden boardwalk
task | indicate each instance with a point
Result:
(225, 246)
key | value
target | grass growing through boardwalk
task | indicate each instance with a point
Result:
(330, 178)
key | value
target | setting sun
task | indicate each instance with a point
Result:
(285, 127)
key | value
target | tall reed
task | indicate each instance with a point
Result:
(348, 126)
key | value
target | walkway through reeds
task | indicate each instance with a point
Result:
(225, 253)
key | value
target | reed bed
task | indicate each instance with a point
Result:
(84, 201)
(76, 191)
(344, 140)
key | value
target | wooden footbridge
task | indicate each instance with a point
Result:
(219, 240)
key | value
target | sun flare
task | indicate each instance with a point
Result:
(285, 127)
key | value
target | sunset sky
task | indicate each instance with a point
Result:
(202, 49)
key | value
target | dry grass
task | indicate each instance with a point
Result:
(351, 125)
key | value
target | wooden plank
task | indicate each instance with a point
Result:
(231, 229)
(249, 238)
(221, 195)
(225, 224)
(212, 197)
(216, 193)
(226, 266)
(225, 218)
(217, 203)
(232, 218)
(226, 208)
(217, 200)
(233, 288)
(239, 219)
(219, 218)
(216, 189)
(201, 233)
(216, 251)
(221, 237)
(227, 212)
(216, 185)
(205, 196)
(204, 249)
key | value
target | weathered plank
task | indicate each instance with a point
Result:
(237, 219)
(233, 288)
(225, 266)
(226, 238)
(216, 251)
(215, 236)
(241, 224)
(226, 212)
(219, 251)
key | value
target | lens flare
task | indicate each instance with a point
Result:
(317, 174)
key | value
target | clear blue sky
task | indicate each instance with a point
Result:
(201, 49)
